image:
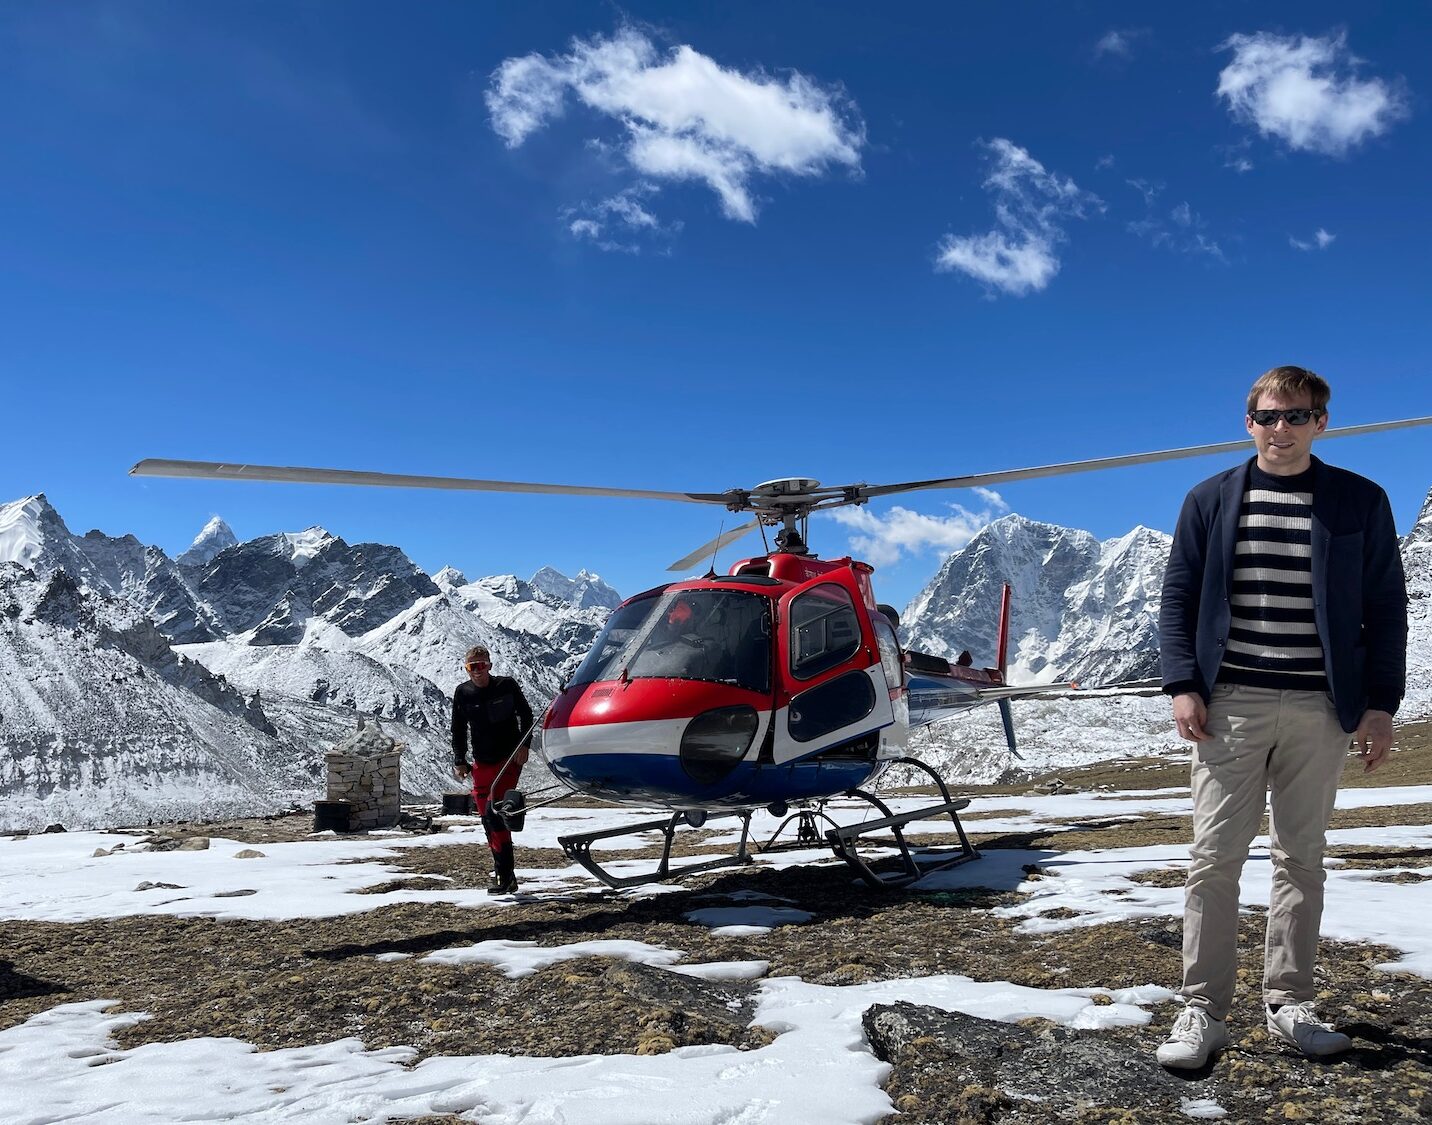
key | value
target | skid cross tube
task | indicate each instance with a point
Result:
(579, 850)
(808, 832)
(843, 840)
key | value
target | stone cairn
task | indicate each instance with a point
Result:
(364, 771)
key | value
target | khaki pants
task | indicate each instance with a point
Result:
(1289, 742)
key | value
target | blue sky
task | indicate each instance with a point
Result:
(696, 247)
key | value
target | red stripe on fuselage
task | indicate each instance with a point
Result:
(632, 701)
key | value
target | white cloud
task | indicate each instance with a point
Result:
(1113, 43)
(1119, 42)
(1030, 203)
(682, 116)
(1149, 189)
(1236, 155)
(1179, 228)
(1303, 91)
(621, 222)
(882, 540)
(1321, 240)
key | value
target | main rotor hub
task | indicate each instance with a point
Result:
(786, 486)
(787, 499)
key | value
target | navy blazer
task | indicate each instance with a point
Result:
(1359, 592)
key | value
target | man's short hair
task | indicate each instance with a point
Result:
(1288, 383)
(474, 652)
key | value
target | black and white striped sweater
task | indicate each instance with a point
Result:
(1272, 637)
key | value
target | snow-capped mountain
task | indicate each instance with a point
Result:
(1082, 609)
(242, 665)
(1085, 610)
(142, 578)
(216, 536)
(586, 591)
(134, 687)
(1417, 561)
(102, 721)
(272, 589)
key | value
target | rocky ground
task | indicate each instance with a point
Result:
(279, 984)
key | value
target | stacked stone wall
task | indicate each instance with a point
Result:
(364, 770)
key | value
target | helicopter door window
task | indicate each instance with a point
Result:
(825, 630)
(830, 706)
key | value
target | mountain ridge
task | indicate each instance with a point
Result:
(292, 636)
(256, 655)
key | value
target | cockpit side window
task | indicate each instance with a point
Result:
(721, 636)
(622, 627)
(825, 630)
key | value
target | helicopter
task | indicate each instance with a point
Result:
(780, 685)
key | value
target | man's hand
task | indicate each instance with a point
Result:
(1373, 739)
(462, 771)
(1191, 716)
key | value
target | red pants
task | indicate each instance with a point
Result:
(488, 786)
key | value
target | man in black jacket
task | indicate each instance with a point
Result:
(491, 716)
(1283, 631)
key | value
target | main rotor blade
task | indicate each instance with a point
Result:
(708, 549)
(976, 479)
(215, 470)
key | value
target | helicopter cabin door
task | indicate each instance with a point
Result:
(832, 687)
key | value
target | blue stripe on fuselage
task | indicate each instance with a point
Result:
(660, 778)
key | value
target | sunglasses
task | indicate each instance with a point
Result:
(478, 664)
(1298, 416)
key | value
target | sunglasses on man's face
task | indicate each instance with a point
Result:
(471, 664)
(1298, 416)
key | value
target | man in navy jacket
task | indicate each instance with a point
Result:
(1283, 631)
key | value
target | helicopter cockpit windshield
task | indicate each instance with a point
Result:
(722, 636)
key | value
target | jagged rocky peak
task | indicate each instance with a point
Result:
(144, 578)
(216, 536)
(1420, 534)
(1417, 561)
(586, 591)
(449, 579)
(304, 546)
(505, 587)
(27, 526)
(260, 582)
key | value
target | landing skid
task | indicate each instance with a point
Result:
(579, 850)
(844, 838)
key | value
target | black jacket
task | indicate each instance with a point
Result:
(1359, 592)
(491, 720)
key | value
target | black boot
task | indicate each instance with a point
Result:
(504, 880)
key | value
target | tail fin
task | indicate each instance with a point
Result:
(1002, 657)
(1002, 660)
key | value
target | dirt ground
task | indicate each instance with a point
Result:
(283, 984)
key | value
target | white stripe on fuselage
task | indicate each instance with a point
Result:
(659, 737)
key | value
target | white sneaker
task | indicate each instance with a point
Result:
(1194, 1038)
(1299, 1026)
